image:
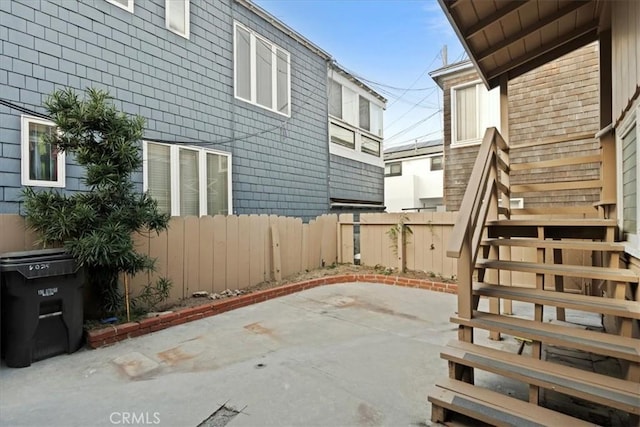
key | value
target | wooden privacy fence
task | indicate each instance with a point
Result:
(423, 248)
(235, 252)
(217, 253)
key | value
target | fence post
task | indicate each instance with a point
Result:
(277, 263)
(402, 259)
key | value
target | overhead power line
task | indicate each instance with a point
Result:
(413, 126)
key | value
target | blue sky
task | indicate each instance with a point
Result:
(393, 44)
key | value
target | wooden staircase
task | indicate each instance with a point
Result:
(482, 241)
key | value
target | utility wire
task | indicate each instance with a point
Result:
(413, 126)
(411, 109)
(192, 142)
(394, 144)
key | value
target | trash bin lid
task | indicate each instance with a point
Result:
(39, 263)
(30, 256)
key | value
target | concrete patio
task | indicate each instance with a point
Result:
(341, 355)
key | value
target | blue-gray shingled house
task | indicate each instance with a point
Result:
(244, 115)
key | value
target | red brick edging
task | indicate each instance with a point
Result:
(114, 333)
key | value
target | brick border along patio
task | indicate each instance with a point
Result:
(114, 333)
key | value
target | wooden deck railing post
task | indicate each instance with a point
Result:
(505, 253)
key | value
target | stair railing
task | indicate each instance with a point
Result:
(481, 199)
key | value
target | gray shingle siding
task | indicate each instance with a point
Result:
(356, 181)
(183, 88)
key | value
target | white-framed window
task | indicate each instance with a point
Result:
(628, 171)
(124, 4)
(370, 145)
(262, 71)
(42, 164)
(356, 110)
(365, 113)
(473, 110)
(177, 16)
(335, 99)
(188, 180)
(343, 136)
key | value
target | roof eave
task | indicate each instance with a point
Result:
(285, 28)
(463, 41)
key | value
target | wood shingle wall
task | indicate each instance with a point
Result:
(555, 101)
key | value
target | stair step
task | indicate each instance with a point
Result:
(495, 408)
(557, 244)
(612, 307)
(595, 229)
(594, 222)
(585, 340)
(587, 272)
(601, 389)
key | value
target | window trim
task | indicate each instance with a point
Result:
(25, 120)
(174, 166)
(253, 37)
(625, 127)
(187, 19)
(454, 116)
(128, 7)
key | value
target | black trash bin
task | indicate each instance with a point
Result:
(41, 305)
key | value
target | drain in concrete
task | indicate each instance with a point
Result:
(220, 418)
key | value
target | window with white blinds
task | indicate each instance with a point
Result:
(466, 113)
(473, 110)
(188, 180)
(262, 72)
(42, 164)
(158, 175)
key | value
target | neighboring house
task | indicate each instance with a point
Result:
(556, 104)
(236, 104)
(356, 182)
(413, 176)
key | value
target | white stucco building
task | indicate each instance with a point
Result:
(414, 177)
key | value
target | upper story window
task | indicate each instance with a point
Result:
(473, 110)
(262, 71)
(370, 145)
(335, 99)
(365, 114)
(356, 110)
(42, 164)
(393, 169)
(177, 16)
(125, 4)
(355, 122)
(188, 180)
(343, 136)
